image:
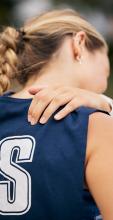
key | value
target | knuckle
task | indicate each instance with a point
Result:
(48, 111)
(63, 89)
(35, 114)
(40, 94)
(42, 97)
(80, 101)
(36, 95)
(68, 89)
(70, 106)
(56, 100)
(47, 114)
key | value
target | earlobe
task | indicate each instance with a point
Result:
(79, 59)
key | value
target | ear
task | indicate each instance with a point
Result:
(79, 44)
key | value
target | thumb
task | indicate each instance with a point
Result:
(34, 90)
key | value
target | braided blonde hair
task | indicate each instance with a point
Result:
(8, 57)
(25, 52)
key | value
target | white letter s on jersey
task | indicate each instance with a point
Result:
(20, 202)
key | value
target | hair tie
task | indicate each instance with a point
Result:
(21, 40)
(21, 34)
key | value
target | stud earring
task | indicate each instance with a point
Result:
(80, 59)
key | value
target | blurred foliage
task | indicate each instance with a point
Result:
(110, 87)
(106, 6)
(5, 11)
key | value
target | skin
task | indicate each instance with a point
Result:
(47, 99)
(99, 151)
(99, 170)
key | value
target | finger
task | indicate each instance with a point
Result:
(59, 96)
(37, 112)
(71, 106)
(41, 95)
(45, 96)
(57, 102)
(32, 105)
(37, 107)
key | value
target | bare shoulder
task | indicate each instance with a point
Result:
(99, 162)
(97, 120)
(100, 132)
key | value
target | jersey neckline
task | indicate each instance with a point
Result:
(7, 96)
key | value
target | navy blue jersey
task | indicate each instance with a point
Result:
(42, 167)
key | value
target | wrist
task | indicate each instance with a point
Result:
(109, 102)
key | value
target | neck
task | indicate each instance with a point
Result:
(49, 77)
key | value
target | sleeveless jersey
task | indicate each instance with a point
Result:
(42, 166)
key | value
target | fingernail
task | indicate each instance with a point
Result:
(33, 122)
(57, 117)
(29, 118)
(43, 120)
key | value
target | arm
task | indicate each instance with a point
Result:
(48, 99)
(99, 162)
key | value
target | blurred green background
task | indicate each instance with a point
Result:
(98, 12)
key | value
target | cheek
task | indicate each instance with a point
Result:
(101, 82)
(98, 74)
(97, 81)
(103, 67)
